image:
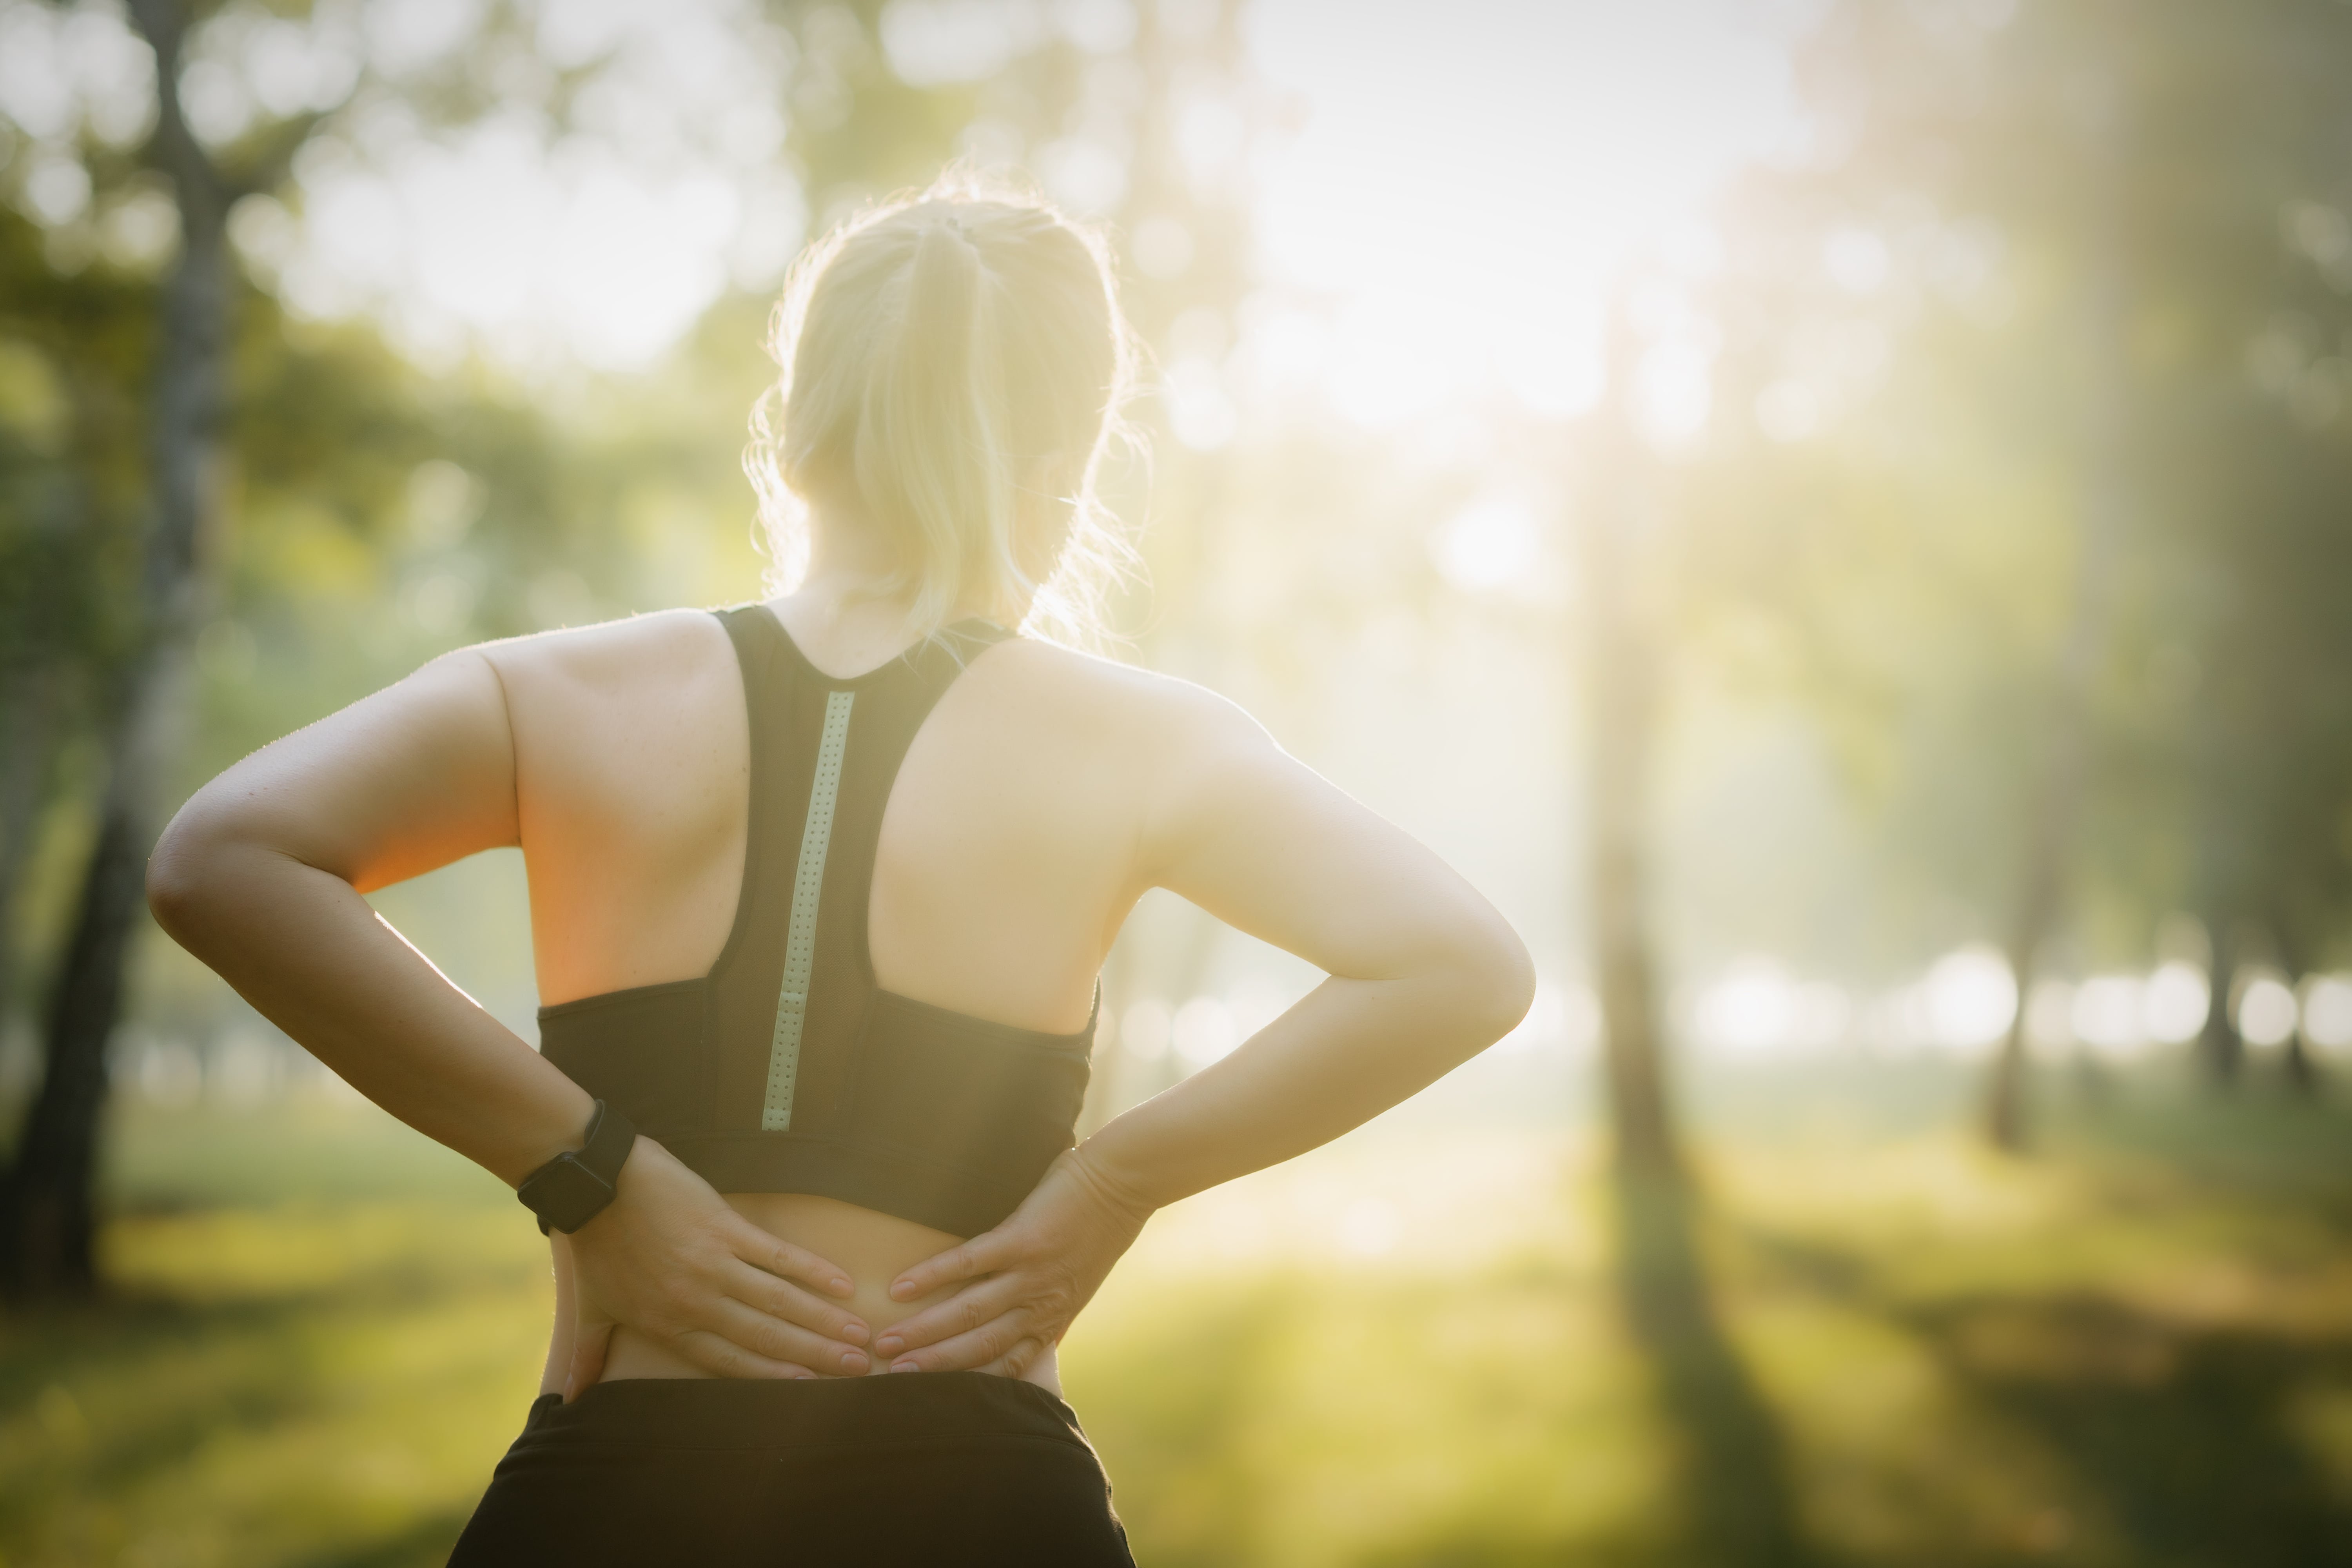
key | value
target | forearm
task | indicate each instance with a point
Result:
(1346, 1052)
(310, 954)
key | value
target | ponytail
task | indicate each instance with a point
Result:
(931, 454)
(939, 356)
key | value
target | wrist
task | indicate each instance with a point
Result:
(576, 1185)
(1118, 1188)
(551, 1126)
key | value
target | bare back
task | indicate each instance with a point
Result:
(1035, 802)
(1008, 858)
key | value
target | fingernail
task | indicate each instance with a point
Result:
(904, 1366)
(889, 1344)
(854, 1331)
(841, 1288)
(852, 1360)
(900, 1289)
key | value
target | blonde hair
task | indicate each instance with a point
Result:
(940, 354)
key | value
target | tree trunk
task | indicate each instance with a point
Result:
(2056, 800)
(2294, 957)
(2219, 1048)
(40, 669)
(1621, 657)
(46, 1212)
(2217, 1045)
(28, 741)
(1623, 699)
(1727, 1458)
(49, 1216)
(2301, 1072)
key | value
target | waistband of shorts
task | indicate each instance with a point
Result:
(831, 1413)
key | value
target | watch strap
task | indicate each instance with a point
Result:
(575, 1187)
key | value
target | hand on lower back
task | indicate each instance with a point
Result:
(1021, 1283)
(670, 1261)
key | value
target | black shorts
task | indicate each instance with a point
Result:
(915, 1468)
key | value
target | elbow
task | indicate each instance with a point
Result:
(1511, 984)
(1497, 980)
(178, 875)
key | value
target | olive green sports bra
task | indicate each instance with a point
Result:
(786, 1068)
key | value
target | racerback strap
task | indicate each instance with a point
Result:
(825, 752)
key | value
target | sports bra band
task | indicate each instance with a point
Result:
(787, 1068)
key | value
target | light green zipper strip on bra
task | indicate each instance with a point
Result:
(800, 940)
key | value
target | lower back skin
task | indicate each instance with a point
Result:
(873, 1249)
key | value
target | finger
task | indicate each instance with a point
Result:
(960, 1313)
(763, 1292)
(983, 1253)
(785, 1261)
(775, 1340)
(589, 1344)
(1015, 1362)
(967, 1352)
(724, 1358)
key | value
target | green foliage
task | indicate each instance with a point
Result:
(1910, 566)
(2134, 1353)
(375, 513)
(73, 354)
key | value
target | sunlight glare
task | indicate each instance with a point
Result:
(1203, 1032)
(2174, 1003)
(1490, 547)
(2109, 1017)
(2328, 1012)
(2266, 1011)
(1471, 179)
(1970, 999)
(1143, 1029)
(601, 245)
(1201, 414)
(1751, 1011)
(536, 250)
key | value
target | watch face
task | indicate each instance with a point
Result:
(566, 1193)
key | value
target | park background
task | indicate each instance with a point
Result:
(1836, 514)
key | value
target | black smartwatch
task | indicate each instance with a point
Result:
(573, 1188)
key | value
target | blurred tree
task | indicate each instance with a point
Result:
(46, 1219)
(125, 643)
(1729, 1454)
(367, 501)
(1622, 660)
(2056, 798)
(2046, 361)
(70, 350)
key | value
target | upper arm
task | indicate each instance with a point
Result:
(1263, 842)
(401, 782)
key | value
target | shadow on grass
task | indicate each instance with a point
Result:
(1733, 1502)
(425, 1543)
(216, 1367)
(2179, 1440)
(2185, 1439)
(1729, 1501)
(199, 1369)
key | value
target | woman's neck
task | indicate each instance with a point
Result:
(850, 611)
(844, 626)
(847, 623)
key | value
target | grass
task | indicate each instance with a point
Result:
(1412, 1348)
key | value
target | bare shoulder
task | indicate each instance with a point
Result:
(658, 650)
(1140, 711)
(632, 714)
